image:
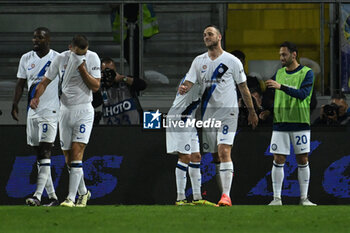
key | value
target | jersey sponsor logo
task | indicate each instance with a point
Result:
(31, 66)
(95, 68)
(151, 120)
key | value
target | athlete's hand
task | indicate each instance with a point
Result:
(14, 112)
(82, 67)
(272, 84)
(253, 119)
(183, 89)
(34, 103)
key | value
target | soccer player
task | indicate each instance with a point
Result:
(41, 122)
(79, 72)
(293, 88)
(217, 71)
(184, 142)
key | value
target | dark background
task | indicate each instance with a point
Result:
(146, 174)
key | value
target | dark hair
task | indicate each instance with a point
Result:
(291, 46)
(339, 95)
(239, 54)
(107, 60)
(253, 84)
(44, 29)
(80, 41)
(214, 26)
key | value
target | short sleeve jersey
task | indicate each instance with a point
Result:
(187, 103)
(33, 68)
(218, 79)
(76, 91)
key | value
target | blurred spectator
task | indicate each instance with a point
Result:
(240, 55)
(131, 31)
(118, 96)
(261, 105)
(335, 113)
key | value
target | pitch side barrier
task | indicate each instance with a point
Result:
(129, 165)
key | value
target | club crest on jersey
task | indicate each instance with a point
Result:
(151, 120)
(31, 66)
(204, 68)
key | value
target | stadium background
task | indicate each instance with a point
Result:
(129, 165)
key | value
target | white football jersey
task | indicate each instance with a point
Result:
(75, 91)
(33, 68)
(217, 79)
(186, 104)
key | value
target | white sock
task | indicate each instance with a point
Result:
(180, 174)
(196, 179)
(82, 190)
(76, 172)
(217, 176)
(50, 188)
(304, 178)
(226, 175)
(277, 175)
(43, 172)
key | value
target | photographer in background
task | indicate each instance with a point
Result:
(259, 102)
(335, 113)
(118, 96)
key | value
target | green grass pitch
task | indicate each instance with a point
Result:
(165, 219)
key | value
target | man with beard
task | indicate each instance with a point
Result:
(293, 85)
(217, 72)
(41, 122)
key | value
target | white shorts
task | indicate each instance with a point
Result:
(224, 135)
(75, 124)
(281, 140)
(182, 142)
(41, 129)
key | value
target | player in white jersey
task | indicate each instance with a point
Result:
(184, 142)
(79, 73)
(217, 72)
(41, 122)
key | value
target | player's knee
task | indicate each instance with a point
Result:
(224, 152)
(280, 159)
(44, 150)
(184, 158)
(196, 157)
(302, 159)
